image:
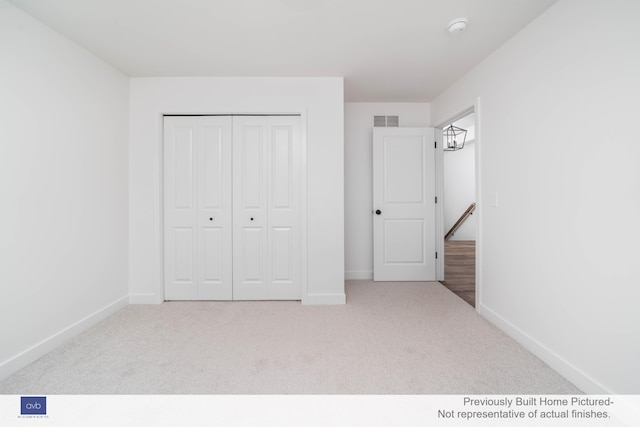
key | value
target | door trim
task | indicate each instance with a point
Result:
(299, 111)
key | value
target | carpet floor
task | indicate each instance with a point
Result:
(390, 338)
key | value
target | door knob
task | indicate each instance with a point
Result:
(378, 211)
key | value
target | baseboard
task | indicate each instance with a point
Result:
(565, 368)
(38, 350)
(145, 299)
(325, 299)
(313, 299)
(358, 275)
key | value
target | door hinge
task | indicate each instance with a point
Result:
(436, 199)
(436, 254)
(435, 144)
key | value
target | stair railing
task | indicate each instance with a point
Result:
(460, 220)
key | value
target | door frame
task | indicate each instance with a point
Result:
(300, 112)
(474, 108)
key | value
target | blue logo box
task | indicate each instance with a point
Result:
(33, 405)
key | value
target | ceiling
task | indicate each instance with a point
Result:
(387, 50)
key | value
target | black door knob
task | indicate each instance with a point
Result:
(378, 211)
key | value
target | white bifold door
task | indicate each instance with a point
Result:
(404, 226)
(232, 207)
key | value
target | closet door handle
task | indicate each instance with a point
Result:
(378, 211)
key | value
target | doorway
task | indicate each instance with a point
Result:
(459, 207)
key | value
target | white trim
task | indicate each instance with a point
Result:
(358, 275)
(38, 350)
(304, 225)
(159, 299)
(325, 299)
(439, 157)
(571, 372)
(455, 117)
(479, 205)
(146, 299)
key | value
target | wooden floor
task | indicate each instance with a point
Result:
(460, 269)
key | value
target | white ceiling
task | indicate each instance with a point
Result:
(387, 50)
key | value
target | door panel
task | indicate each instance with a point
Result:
(251, 167)
(252, 259)
(404, 196)
(284, 207)
(281, 171)
(403, 241)
(249, 223)
(403, 171)
(213, 164)
(214, 208)
(197, 212)
(213, 255)
(180, 212)
(281, 254)
(183, 271)
(183, 168)
(266, 206)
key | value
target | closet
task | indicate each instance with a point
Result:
(232, 210)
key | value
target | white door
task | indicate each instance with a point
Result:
(404, 226)
(232, 207)
(197, 208)
(266, 200)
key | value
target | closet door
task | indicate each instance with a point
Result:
(266, 200)
(197, 208)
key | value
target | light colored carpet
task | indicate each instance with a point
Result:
(390, 338)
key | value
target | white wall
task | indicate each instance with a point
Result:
(559, 254)
(63, 186)
(321, 101)
(460, 190)
(358, 130)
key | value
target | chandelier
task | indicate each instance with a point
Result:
(454, 138)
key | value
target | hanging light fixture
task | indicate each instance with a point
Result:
(454, 138)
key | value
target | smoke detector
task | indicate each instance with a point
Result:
(457, 25)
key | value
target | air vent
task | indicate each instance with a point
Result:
(388, 121)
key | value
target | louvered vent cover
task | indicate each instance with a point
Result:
(382, 121)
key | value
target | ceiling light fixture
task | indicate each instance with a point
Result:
(454, 138)
(457, 25)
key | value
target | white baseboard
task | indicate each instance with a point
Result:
(358, 275)
(565, 368)
(325, 299)
(145, 299)
(38, 350)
